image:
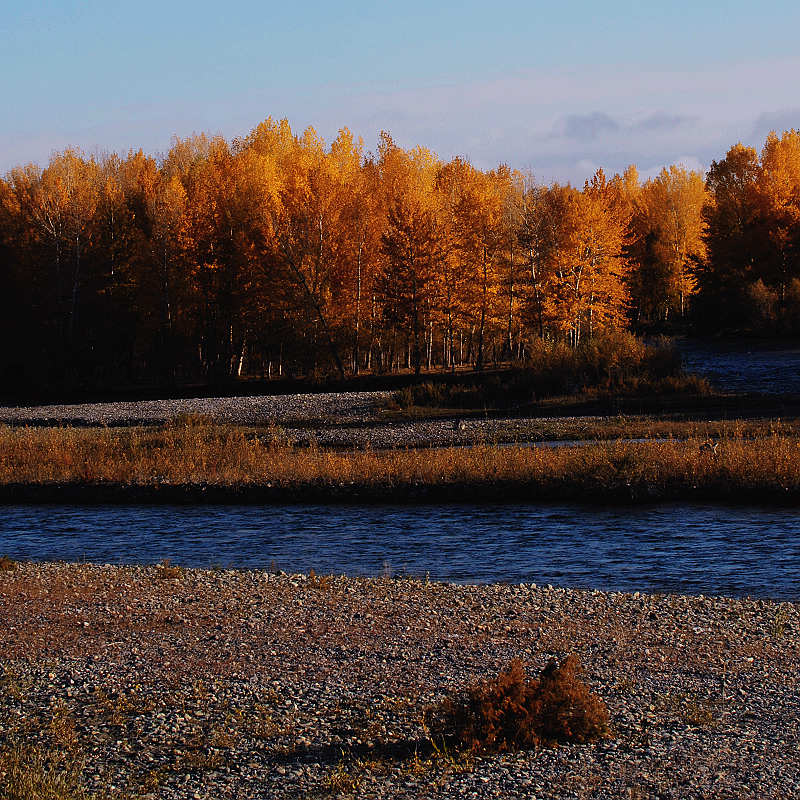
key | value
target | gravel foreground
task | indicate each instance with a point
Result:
(246, 684)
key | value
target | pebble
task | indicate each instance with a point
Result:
(234, 701)
(343, 420)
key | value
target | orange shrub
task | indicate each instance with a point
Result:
(515, 712)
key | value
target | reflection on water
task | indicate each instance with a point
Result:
(682, 548)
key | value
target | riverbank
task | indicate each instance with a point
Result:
(164, 682)
(193, 461)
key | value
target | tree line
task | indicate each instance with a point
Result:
(278, 254)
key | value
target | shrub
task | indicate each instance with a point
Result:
(614, 362)
(7, 564)
(515, 712)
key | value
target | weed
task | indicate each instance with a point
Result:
(35, 773)
(62, 729)
(690, 710)
(346, 778)
(778, 626)
(6, 564)
(14, 685)
(766, 466)
(189, 420)
(166, 570)
(514, 712)
(263, 726)
(320, 582)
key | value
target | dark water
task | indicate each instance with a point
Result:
(745, 366)
(680, 548)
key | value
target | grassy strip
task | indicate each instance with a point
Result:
(680, 405)
(224, 462)
(598, 428)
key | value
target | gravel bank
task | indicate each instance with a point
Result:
(244, 684)
(331, 407)
(347, 420)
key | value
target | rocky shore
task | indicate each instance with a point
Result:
(174, 683)
(345, 420)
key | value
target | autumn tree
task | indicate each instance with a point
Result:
(454, 280)
(778, 210)
(478, 235)
(411, 244)
(510, 186)
(668, 232)
(586, 289)
(731, 237)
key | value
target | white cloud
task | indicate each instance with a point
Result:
(561, 124)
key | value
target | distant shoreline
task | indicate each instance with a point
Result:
(408, 494)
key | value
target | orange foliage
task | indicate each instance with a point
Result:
(280, 252)
(514, 712)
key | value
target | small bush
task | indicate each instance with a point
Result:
(7, 564)
(612, 363)
(167, 570)
(515, 712)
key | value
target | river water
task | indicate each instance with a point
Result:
(744, 366)
(666, 548)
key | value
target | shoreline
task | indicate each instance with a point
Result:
(495, 492)
(178, 683)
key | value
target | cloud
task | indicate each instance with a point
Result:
(588, 127)
(560, 124)
(777, 121)
(662, 122)
(692, 163)
(582, 127)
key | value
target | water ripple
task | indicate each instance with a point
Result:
(678, 547)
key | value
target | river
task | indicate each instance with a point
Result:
(742, 365)
(699, 549)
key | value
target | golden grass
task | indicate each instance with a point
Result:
(232, 457)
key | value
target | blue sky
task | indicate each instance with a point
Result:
(558, 88)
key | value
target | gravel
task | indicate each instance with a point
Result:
(181, 683)
(331, 407)
(345, 420)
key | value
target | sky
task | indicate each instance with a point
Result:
(558, 89)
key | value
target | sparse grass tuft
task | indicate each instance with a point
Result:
(515, 712)
(33, 773)
(320, 582)
(345, 779)
(167, 570)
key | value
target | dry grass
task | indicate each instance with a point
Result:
(30, 773)
(515, 712)
(230, 457)
(608, 428)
